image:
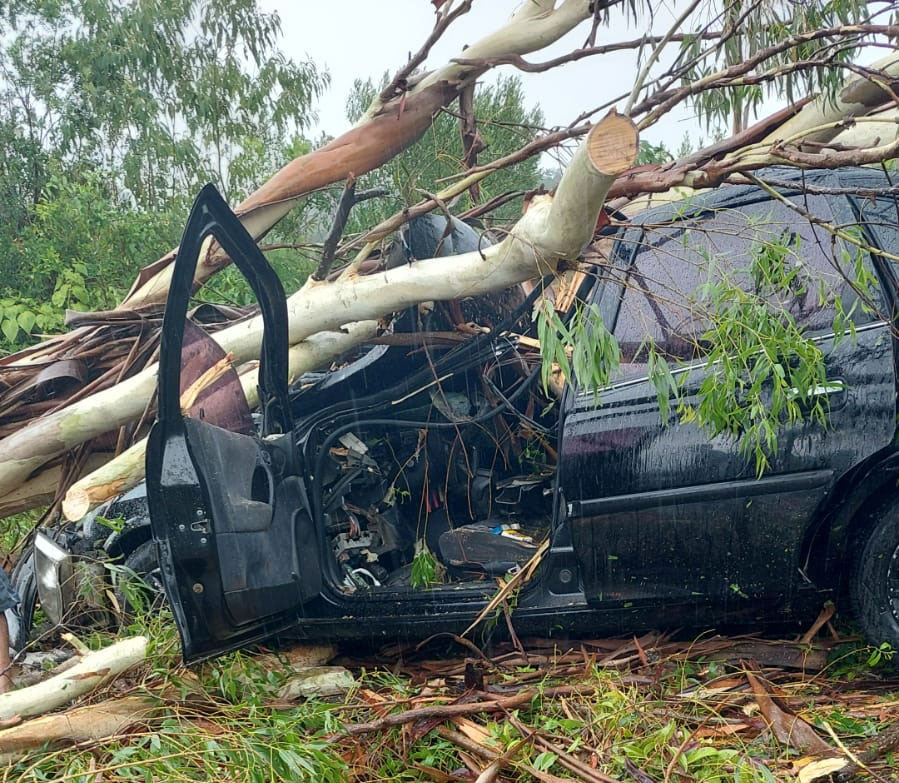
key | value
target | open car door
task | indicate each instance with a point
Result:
(229, 513)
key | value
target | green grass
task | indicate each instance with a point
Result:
(13, 530)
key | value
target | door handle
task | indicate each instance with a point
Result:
(834, 390)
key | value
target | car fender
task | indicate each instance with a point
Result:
(853, 503)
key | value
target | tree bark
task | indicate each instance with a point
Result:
(92, 723)
(385, 130)
(94, 669)
(552, 229)
(41, 490)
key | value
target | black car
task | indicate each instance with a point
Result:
(317, 524)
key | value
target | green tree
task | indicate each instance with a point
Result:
(165, 93)
(505, 123)
(112, 113)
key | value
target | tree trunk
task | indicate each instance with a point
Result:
(92, 723)
(95, 669)
(552, 229)
(41, 490)
(385, 130)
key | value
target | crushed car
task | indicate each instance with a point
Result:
(384, 498)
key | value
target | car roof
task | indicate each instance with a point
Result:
(734, 195)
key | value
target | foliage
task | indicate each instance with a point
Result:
(505, 123)
(752, 368)
(111, 116)
(425, 569)
(13, 532)
(762, 25)
(582, 349)
(678, 712)
(166, 93)
(762, 369)
(77, 251)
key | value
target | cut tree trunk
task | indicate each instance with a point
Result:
(92, 723)
(93, 670)
(552, 229)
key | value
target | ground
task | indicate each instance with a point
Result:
(648, 709)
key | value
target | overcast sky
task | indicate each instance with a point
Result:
(359, 38)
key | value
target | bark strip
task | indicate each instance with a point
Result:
(552, 229)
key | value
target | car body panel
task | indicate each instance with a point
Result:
(223, 505)
(654, 521)
(660, 510)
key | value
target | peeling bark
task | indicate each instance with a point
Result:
(552, 229)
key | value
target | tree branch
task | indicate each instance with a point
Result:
(671, 99)
(348, 199)
(579, 54)
(477, 174)
(400, 81)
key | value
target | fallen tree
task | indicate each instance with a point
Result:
(551, 230)
(854, 123)
(397, 118)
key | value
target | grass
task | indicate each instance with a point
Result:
(658, 711)
(14, 529)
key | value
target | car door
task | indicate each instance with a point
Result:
(660, 511)
(228, 510)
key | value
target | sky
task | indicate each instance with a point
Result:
(360, 38)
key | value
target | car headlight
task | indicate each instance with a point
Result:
(53, 572)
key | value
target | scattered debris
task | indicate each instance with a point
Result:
(317, 681)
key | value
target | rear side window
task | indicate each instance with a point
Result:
(880, 219)
(666, 293)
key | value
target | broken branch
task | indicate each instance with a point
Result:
(348, 199)
(93, 670)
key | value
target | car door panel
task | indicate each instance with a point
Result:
(229, 513)
(665, 505)
(700, 544)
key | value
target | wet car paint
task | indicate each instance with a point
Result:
(655, 522)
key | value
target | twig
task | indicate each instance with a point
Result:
(513, 583)
(644, 71)
(472, 143)
(667, 99)
(859, 764)
(400, 82)
(471, 708)
(348, 199)
(489, 206)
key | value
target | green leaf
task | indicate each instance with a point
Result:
(26, 321)
(544, 761)
(10, 329)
